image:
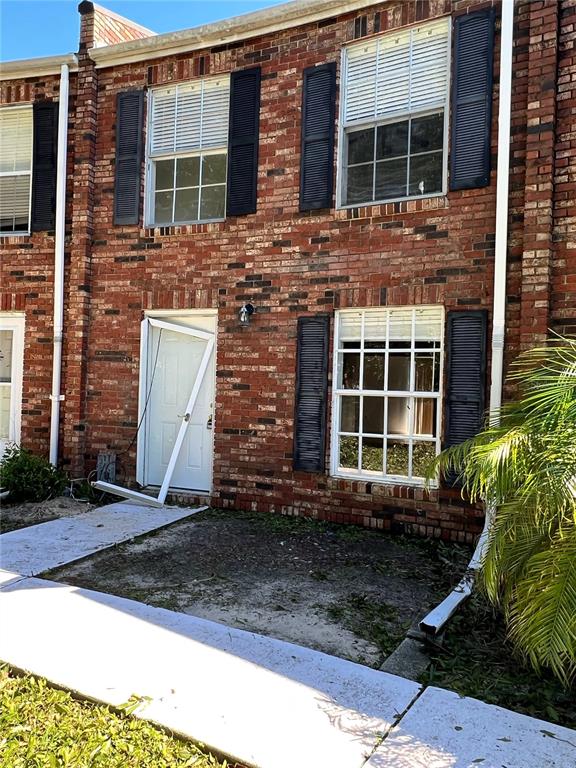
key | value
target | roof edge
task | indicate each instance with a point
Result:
(37, 67)
(245, 26)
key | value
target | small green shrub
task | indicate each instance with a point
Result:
(29, 477)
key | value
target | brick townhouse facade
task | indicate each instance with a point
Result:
(330, 166)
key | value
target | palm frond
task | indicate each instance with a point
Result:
(542, 610)
(523, 463)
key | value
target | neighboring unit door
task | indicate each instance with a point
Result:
(11, 369)
(173, 358)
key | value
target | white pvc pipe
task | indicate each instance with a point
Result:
(434, 621)
(56, 395)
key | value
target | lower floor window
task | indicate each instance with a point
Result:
(387, 389)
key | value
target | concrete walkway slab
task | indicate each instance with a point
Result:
(264, 701)
(38, 548)
(445, 730)
(8, 577)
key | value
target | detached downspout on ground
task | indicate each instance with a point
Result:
(56, 395)
(434, 622)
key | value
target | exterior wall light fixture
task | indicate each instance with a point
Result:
(245, 312)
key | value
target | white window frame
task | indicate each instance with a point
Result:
(343, 129)
(28, 230)
(338, 393)
(150, 169)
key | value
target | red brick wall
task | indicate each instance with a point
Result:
(563, 291)
(103, 27)
(26, 279)
(288, 264)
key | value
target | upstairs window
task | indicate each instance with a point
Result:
(15, 169)
(187, 152)
(394, 116)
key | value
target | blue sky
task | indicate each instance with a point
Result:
(31, 28)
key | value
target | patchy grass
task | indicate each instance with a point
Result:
(372, 619)
(42, 727)
(476, 660)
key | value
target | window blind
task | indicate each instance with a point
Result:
(190, 117)
(15, 168)
(397, 73)
(427, 326)
(15, 140)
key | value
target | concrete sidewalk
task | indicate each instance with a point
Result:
(39, 548)
(263, 701)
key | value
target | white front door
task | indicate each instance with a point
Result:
(173, 358)
(11, 369)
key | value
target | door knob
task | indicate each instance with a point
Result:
(209, 422)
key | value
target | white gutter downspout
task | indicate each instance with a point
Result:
(434, 622)
(56, 396)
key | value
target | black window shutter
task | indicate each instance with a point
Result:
(243, 134)
(466, 381)
(311, 393)
(472, 100)
(129, 148)
(44, 162)
(317, 149)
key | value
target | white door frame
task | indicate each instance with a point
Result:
(209, 338)
(15, 322)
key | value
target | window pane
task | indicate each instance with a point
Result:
(212, 202)
(373, 415)
(427, 133)
(399, 372)
(188, 172)
(5, 399)
(348, 452)
(186, 205)
(213, 169)
(374, 371)
(422, 455)
(350, 414)
(398, 415)
(372, 454)
(14, 203)
(350, 328)
(428, 326)
(391, 178)
(361, 146)
(15, 139)
(392, 140)
(397, 458)
(360, 184)
(426, 174)
(6, 356)
(350, 371)
(427, 372)
(164, 174)
(163, 207)
(425, 416)
(401, 327)
(375, 328)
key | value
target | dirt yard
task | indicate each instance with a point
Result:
(343, 590)
(14, 516)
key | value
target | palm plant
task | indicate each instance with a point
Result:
(523, 466)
